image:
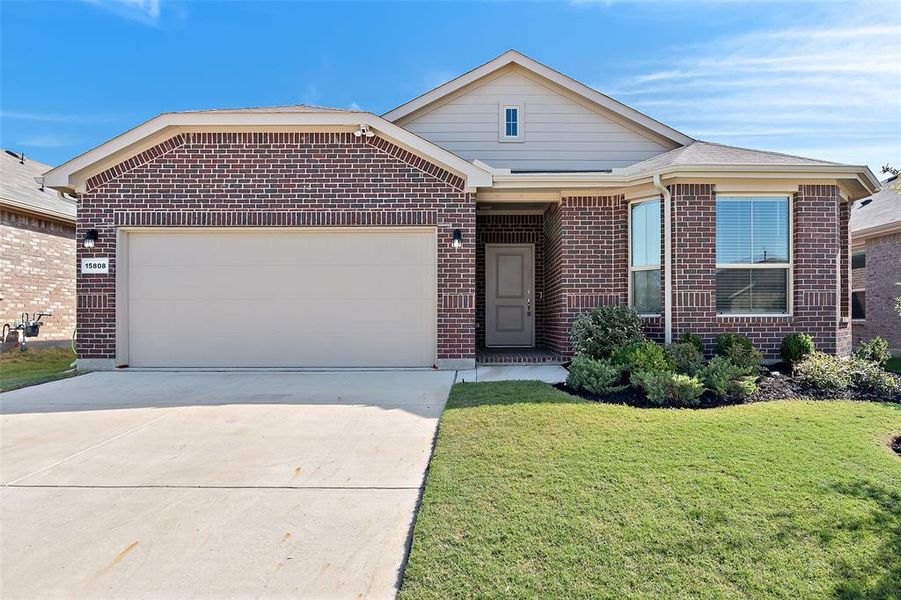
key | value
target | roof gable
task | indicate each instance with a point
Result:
(74, 174)
(625, 114)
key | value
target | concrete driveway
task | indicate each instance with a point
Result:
(213, 485)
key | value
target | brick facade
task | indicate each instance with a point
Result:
(279, 180)
(587, 261)
(510, 229)
(37, 263)
(315, 180)
(821, 271)
(586, 240)
(882, 280)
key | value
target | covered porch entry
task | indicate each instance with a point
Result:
(512, 278)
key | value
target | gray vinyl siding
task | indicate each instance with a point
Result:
(559, 133)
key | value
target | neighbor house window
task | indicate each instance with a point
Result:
(858, 259)
(753, 255)
(859, 304)
(644, 256)
(510, 123)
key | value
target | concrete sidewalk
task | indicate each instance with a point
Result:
(545, 373)
(172, 485)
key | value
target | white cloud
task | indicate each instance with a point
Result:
(55, 117)
(48, 140)
(830, 89)
(145, 11)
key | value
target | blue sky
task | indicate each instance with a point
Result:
(819, 79)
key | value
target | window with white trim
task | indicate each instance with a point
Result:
(644, 256)
(753, 255)
(510, 118)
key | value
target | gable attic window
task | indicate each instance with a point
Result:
(510, 120)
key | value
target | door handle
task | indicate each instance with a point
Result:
(529, 303)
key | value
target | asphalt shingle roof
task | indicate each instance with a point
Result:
(18, 188)
(709, 153)
(881, 209)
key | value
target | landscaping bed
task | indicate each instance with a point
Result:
(615, 363)
(775, 384)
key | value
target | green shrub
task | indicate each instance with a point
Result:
(685, 358)
(596, 376)
(693, 339)
(739, 349)
(874, 350)
(598, 332)
(824, 371)
(673, 389)
(869, 376)
(743, 386)
(724, 378)
(641, 356)
(795, 346)
(724, 343)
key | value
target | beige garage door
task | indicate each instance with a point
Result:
(281, 298)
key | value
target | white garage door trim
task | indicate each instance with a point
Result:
(124, 236)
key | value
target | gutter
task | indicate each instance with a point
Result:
(38, 211)
(591, 181)
(667, 260)
(876, 230)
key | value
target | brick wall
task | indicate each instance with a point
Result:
(586, 242)
(510, 229)
(818, 222)
(883, 285)
(37, 262)
(556, 328)
(279, 180)
(586, 261)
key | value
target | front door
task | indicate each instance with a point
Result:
(509, 291)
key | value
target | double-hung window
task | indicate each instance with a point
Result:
(753, 255)
(644, 256)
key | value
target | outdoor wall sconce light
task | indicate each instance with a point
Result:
(457, 242)
(90, 238)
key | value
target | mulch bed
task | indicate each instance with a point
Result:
(896, 445)
(774, 384)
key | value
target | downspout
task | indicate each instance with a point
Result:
(667, 260)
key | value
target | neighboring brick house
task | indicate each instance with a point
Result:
(876, 265)
(471, 223)
(37, 249)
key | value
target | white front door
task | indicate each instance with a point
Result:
(509, 295)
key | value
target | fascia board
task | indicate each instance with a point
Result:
(70, 174)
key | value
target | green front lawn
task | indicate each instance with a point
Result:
(21, 369)
(534, 493)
